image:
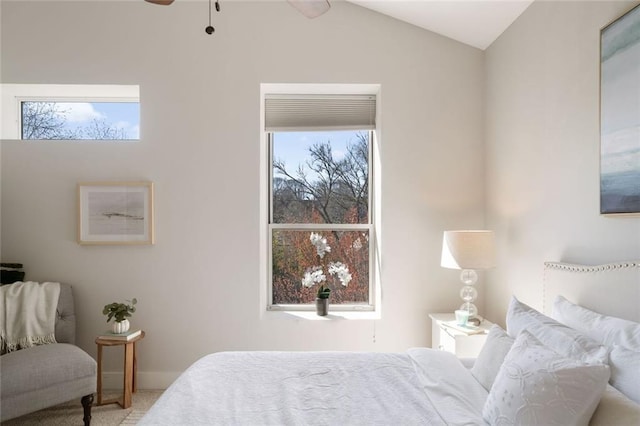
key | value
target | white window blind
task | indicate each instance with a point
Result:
(319, 112)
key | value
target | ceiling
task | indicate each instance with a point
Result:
(474, 22)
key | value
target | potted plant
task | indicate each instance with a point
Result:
(120, 312)
(317, 275)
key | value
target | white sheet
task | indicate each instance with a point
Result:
(423, 386)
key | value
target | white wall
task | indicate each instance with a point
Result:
(542, 149)
(198, 285)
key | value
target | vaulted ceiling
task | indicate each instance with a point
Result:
(474, 22)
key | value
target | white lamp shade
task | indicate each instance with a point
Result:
(468, 250)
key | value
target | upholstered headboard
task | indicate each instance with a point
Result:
(65, 316)
(610, 289)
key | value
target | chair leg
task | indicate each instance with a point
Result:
(87, 402)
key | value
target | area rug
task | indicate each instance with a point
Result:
(134, 417)
(70, 413)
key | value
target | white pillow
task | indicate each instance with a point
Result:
(562, 339)
(491, 356)
(625, 372)
(537, 386)
(615, 409)
(604, 329)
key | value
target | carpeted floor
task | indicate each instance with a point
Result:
(70, 413)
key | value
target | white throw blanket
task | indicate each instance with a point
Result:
(27, 314)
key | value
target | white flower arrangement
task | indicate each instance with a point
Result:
(316, 274)
(320, 243)
(342, 271)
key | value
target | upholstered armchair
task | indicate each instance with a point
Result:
(43, 376)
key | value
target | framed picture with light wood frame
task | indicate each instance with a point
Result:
(115, 213)
(620, 115)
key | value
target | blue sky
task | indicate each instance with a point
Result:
(123, 115)
(120, 111)
(293, 147)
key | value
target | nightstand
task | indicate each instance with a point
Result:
(457, 342)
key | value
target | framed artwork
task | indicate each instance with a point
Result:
(620, 115)
(115, 213)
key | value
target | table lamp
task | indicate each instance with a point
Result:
(469, 251)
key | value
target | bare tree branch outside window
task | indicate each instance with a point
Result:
(326, 189)
(51, 120)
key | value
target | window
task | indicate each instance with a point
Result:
(79, 120)
(320, 193)
(70, 112)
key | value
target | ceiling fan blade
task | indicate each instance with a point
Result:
(310, 8)
(161, 2)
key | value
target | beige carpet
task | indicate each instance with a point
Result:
(70, 413)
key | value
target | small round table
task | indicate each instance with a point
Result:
(130, 369)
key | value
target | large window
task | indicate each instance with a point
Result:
(70, 112)
(320, 224)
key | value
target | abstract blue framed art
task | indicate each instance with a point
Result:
(620, 115)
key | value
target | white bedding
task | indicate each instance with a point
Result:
(422, 386)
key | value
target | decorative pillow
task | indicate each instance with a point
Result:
(615, 409)
(625, 372)
(491, 356)
(537, 386)
(562, 339)
(604, 329)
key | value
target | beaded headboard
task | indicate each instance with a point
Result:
(610, 289)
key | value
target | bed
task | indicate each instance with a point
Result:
(425, 386)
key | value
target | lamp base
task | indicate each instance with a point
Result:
(471, 308)
(468, 293)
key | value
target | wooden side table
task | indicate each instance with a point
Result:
(130, 369)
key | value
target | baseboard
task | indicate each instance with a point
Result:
(146, 380)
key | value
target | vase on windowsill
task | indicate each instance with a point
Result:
(318, 274)
(322, 306)
(322, 300)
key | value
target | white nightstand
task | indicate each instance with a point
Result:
(457, 342)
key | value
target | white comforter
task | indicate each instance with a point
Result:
(422, 386)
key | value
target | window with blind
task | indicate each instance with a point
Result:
(320, 222)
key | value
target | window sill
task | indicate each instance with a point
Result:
(312, 316)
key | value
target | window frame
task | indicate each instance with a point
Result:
(372, 310)
(13, 95)
(369, 227)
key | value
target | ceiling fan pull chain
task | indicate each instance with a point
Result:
(209, 29)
